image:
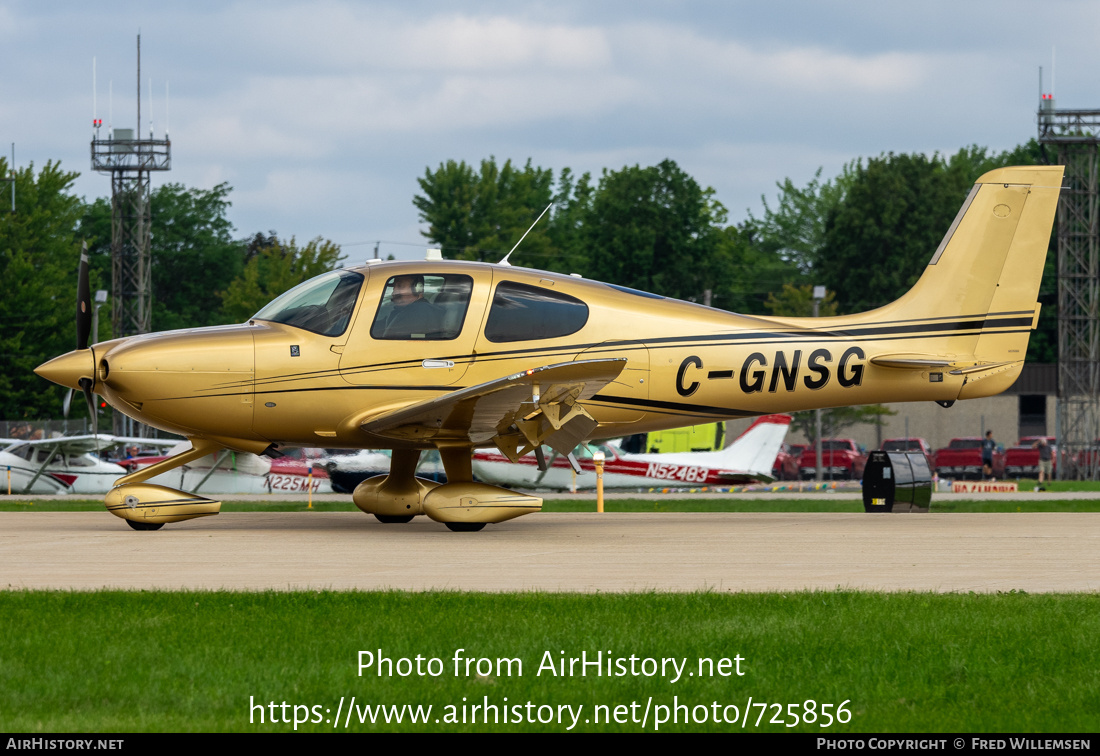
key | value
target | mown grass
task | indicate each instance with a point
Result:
(663, 503)
(192, 661)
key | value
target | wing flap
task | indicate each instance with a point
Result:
(538, 406)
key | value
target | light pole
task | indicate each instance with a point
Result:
(100, 300)
(819, 294)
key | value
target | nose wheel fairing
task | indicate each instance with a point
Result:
(156, 505)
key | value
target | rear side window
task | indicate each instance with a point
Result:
(521, 313)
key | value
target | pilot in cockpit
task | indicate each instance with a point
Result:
(413, 316)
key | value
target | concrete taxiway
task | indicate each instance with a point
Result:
(1035, 552)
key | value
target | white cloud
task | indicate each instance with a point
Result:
(322, 114)
(335, 36)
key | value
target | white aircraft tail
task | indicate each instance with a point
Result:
(752, 453)
(755, 450)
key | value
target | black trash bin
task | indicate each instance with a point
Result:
(901, 479)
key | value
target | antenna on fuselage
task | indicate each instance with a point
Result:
(513, 249)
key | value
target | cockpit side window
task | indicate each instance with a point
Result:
(521, 313)
(322, 305)
(422, 307)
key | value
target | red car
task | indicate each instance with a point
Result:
(962, 458)
(910, 445)
(787, 461)
(840, 458)
(1022, 460)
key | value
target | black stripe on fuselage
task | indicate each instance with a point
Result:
(693, 409)
(916, 330)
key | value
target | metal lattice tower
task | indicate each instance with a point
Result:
(1075, 134)
(130, 160)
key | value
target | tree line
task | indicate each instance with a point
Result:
(865, 234)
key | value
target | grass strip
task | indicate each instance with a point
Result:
(195, 661)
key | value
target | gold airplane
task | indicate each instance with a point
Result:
(456, 355)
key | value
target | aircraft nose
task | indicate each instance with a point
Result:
(68, 369)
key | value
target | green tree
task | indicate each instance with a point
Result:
(565, 229)
(39, 257)
(273, 268)
(795, 229)
(798, 302)
(657, 230)
(892, 217)
(480, 215)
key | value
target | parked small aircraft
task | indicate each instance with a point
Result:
(239, 473)
(462, 355)
(64, 464)
(748, 459)
(346, 471)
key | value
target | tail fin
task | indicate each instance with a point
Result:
(752, 454)
(755, 450)
(985, 275)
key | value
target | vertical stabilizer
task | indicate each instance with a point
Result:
(752, 453)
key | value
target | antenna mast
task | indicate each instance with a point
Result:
(513, 249)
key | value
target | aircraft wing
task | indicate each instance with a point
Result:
(518, 412)
(69, 444)
(159, 443)
(86, 443)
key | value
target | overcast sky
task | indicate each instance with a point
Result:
(322, 115)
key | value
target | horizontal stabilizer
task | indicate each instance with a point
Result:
(910, 361)
(928, 362)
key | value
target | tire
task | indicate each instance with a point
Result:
(145, 525)
(394, 519)
(464, 527)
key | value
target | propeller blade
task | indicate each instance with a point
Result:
(86, 384)
(67, 403)
(83, 301)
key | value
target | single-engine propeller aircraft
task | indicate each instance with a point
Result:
(749, 459)
(462, 355)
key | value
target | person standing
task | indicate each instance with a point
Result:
(988, 445)
(1045, 461)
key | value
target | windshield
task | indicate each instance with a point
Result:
(322, 305)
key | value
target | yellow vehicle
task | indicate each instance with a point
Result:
(459, 355)
(696, 438)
